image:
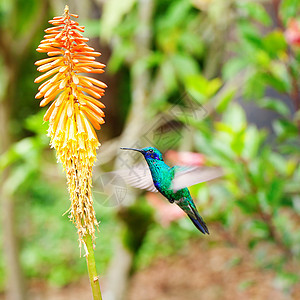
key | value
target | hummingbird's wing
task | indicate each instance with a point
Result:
(187, 176)
(138, 176)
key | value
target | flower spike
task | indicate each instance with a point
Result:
(75, 111)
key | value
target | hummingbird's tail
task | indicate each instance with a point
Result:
(188, 206)
(198, 222)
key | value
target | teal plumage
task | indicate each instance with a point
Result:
(164, 179)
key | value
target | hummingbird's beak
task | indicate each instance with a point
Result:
(139, 150)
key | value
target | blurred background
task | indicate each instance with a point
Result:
(208, 82)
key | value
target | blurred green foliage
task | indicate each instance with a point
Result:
(257, 201)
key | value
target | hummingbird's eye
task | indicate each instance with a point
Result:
(151, 150)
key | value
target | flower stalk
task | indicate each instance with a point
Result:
(90, 260)
(74, 113)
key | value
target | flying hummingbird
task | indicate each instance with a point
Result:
(172, 182)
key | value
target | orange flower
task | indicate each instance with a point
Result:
(74, 112)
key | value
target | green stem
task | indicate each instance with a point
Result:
(91, 265)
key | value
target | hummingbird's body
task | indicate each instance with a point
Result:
(163, 178)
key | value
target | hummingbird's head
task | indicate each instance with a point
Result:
(148, 152)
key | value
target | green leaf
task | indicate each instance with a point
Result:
(201, 88)
(36, 124)
(191, 43)
(168, 75)
(284, 128)
(113, 12)
(250, 34)
(119, 55)
(256, 11)
(233, 66)
(253, 141)
(235, 117)
(285, 280)
(254, 86)
(184, 66)
(275, 43)
(176, 14)
(225, 100)
(259, 228)
(262, 59)
(274, 104)
(289, 9)
(238, 142)
(275, 192)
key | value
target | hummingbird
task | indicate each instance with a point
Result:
(172, 182)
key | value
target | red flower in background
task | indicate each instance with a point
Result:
(185, 158)
(166, 213)
(292, 33)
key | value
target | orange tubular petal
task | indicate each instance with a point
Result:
(91, 92)
(92, 118)
(45, 101)
(58, 36)
(90, 130)
(90, 53)
(94, 101)
(60, 98)
(81, 60)
(44, 76)
(56, 77)
(72, 22)
(56, 22)
(64, 82)
(99, 71)
(54, 44)
(53, 53)
(93, 64)
(97, 90)
(45, 48)
(52, 97)
(47, 87)
(44, 61)
(84, 82)
(58, 18)
(52, 91)
(96, 82)
(76, 34)
(56, 114)
(39, 95)
(46, 41)
(81, 65)
(75, 79)
(99, 119)
(83, 47)
(95, 109)
(70, 109)
(53, 29)
(80, 39)
(80, 123)
(60, 121)
(83, 70)
(49, 36)
(44, 84)
(48, 66)
(63, 69)
(49, 112)
(79, 28)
